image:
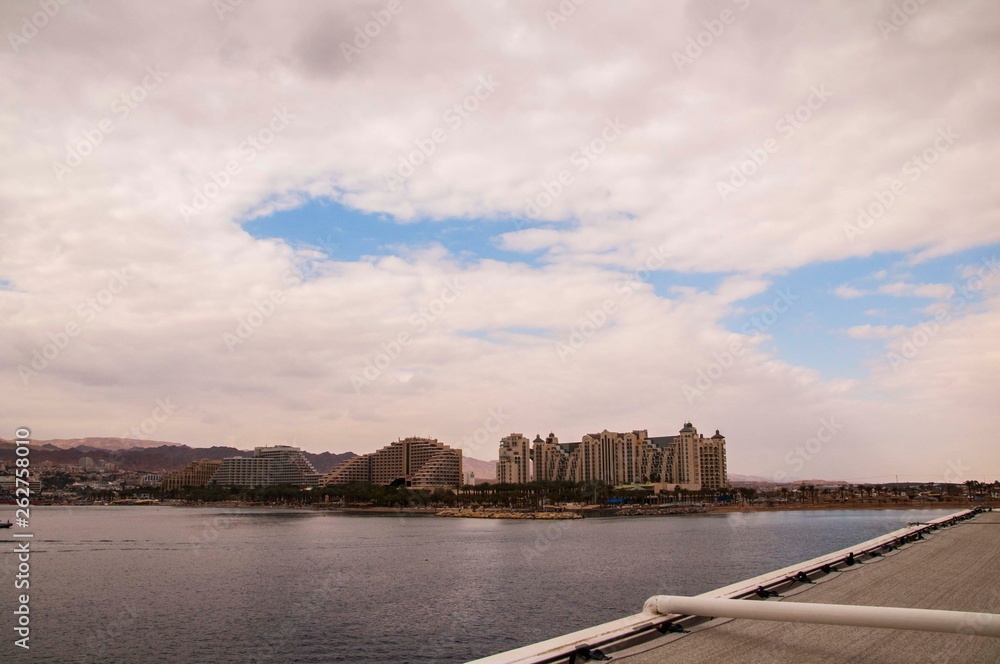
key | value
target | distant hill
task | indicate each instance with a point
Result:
(753, 480)
(162, 457)
(158, 456)
(484, 470)
(734, 477)
(103, 443)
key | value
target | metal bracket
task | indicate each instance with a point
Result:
(671, 628)
(588, 654)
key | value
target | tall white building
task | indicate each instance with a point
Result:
(688, 460)
(514, 466)
(268, 466)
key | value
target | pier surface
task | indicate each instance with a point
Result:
(957, 568)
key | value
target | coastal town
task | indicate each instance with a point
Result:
(604, 474)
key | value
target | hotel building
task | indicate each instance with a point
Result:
(515, 460)
(196, 473)
(422, 463)
(268, 466)
(688, 460)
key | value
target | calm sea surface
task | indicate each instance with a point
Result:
(160, 584)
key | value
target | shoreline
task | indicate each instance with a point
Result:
(845, 507)
(492, 513)
(589, 512)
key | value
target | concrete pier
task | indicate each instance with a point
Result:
(952, 568)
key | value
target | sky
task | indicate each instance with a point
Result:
(332, 225)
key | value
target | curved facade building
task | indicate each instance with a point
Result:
(419, 462)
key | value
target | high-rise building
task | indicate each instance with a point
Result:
(268, 466)
(550, 459)
(289, 465)
(250, 472)
(688, 460)
(196, 473)
(418, 462)
(514, 466)
(714, 474)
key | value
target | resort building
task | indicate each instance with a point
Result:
(268, 466)
(249, 472)
(196, 473)
(688, 460)
(289, 465)
(514, 466)
(418, 462)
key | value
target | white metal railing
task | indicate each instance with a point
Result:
(927, 620)
(552, 649)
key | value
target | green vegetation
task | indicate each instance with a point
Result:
(533, 495)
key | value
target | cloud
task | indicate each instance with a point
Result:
(619, 150)
(848, 292)
(874, 331)
(930, 291)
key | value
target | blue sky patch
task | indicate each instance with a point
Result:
(803, 311)
(344, 234)
(810, 330)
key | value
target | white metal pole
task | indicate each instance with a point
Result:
(930, 620)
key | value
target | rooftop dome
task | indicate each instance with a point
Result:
(538, 439)
(717, 435)
(688, 428)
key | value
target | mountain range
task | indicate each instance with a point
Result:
(161, 456)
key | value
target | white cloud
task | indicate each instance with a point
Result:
(653, 186)
(848, 292)
(874, 331)
(931, 291)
